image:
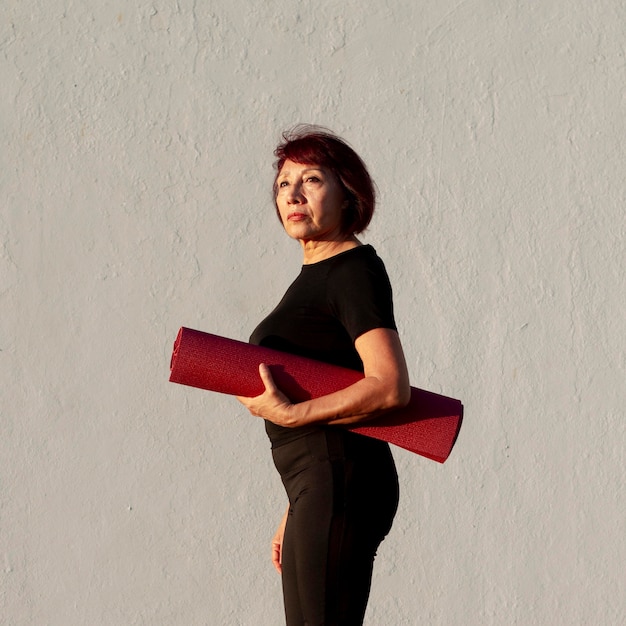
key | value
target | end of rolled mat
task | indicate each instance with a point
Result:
(458, 429)
(175, 348)
(443, 457)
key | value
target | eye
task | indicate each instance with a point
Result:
(312, 179)
(283, 183)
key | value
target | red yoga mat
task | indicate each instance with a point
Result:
(428, 425)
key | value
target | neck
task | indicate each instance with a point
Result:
(314, 251)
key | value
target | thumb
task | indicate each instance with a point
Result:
(266, 377)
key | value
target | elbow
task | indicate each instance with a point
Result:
(398, 397)
(404, 396)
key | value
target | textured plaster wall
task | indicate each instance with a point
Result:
(135, 170)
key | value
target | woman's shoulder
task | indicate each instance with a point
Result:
(359, 292)
(360, 259)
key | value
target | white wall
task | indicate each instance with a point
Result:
(135, 174)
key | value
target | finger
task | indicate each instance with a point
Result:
(276, 558)
(266, 377)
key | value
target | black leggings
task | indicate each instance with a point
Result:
(343, 495)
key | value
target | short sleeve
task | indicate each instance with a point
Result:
(360, 294)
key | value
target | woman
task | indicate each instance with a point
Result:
(342, 487)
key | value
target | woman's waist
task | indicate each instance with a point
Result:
(326, 441)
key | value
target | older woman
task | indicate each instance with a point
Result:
(342, 487)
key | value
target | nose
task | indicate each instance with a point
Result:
(294, 195)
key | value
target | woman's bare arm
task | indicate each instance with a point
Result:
(385, 386)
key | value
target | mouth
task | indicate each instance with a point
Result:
(296, 217)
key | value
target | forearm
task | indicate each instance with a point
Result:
(385, 387)
(364, 400)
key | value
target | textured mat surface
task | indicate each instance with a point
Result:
(428, 425)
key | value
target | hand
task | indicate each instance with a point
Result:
(272, 404)
(277, 544)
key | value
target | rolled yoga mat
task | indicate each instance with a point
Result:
(428, 425)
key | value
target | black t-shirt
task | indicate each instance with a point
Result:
(329, 305)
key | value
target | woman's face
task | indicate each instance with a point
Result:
(310, 200)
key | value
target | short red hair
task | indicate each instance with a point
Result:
(313, 145)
